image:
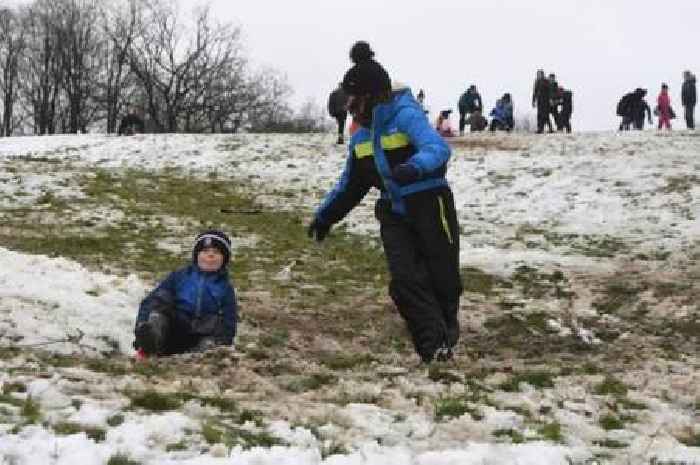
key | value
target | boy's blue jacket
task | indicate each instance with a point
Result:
(400, 133)
(199, 293)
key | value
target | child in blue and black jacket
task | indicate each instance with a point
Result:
(195, 308)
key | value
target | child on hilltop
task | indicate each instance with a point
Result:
(195, 308)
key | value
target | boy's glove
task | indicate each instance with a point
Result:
(405, 173)
(318, 230)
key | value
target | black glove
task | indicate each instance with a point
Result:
(318, 229)
(405, 173)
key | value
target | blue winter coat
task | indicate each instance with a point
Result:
(503, 112)
(198, 293)
(400, 133)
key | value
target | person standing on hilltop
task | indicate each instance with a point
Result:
(336, 108)
(663, 103)
(689, 98)
(469, 102)
(397, 151)
(541, 94)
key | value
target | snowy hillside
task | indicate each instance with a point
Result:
(580, 317)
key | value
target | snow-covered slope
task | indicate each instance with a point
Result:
(589, 205)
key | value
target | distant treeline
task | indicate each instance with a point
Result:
(69, 66)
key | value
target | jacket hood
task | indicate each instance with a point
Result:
(400, 99)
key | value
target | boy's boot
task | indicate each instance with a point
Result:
(151, 334)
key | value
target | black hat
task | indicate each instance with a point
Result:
(213, 238)
(367, 76)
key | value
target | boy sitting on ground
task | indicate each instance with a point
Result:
(195, 308)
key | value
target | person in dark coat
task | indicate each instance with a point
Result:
(567, 108)
(195, 307)
(337, 101)
(131, 124)
(689, 98)
(399, 152)
(633, 107)
(640, 109)
(469, 102)
(541, 95)
(554, 99)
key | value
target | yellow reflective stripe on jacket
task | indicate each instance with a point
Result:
(443, 218)
(364, 149)
(395, 141)
(392, 142)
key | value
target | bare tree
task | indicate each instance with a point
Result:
(11, 47)
(120, 21)
(76, 29)
(40, 69)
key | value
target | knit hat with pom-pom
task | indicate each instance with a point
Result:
(366, 76)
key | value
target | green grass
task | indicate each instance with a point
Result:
(345, 361)
(611, 385)
(155, 401)
(515, 436)
(30, 410)
(551, 432)
(220, 433)
(537, 379)
(450, 407)
(121, 459)
(610, 444)
(611, 422)
(95, 433)
(476, 281)
(616, 295)
(115, 420)
(311, 382)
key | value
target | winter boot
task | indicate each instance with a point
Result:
(341, 140)
(151, 334)
(444, 354)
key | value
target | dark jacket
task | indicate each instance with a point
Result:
(336, 103)
(470, 102)
(541, 93)
(688, 93)
(567, 103)
(197, 294)
(402, 134)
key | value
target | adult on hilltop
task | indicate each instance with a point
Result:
(336, 108)
(541, 96)
(469, 102)
(689, 98)
(397, 151)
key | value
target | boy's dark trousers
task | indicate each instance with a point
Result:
(167, 333)
(422, 251)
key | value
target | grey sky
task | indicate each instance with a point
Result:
(598, 48)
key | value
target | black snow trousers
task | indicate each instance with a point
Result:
(690, 116)
(462, 121)
(167, 333)
(543, 117)
(340, 119)
(422, 251)
(565, 121)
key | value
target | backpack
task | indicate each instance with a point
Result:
(623, 105)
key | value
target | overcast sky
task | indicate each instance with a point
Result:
(599, 49)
